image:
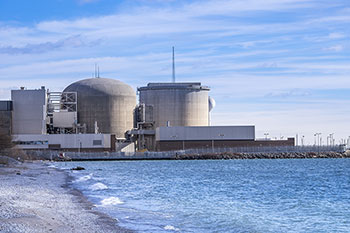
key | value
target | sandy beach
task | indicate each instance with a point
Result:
(37, 198)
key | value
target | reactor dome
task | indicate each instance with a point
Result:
(104, 105)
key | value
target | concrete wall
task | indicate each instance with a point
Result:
(29, 111)
(64, 119)
(64, 141)
(183, 145)
(125, 147)
(178, 133)
(182, 104)
(5, 122)
(31, 141)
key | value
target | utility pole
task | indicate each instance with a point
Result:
(318, 140)
(331, 140)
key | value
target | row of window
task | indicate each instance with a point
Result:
(31, 143)
(94, 142)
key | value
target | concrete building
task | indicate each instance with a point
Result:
(182, 138)
(104, 105)
(6, 117)
(177, 104)
(71, 142)
(29, 111)
(169, 104)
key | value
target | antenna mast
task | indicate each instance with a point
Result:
(173, 65)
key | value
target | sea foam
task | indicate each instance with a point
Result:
(84, 178)
(171, 228)
(98, 186)
(111, 201)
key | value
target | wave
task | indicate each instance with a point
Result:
(84, 178)
(171, 228)
(111, 201)
(98, 186)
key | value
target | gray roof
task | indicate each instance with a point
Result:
(101, 86)
(164, 86)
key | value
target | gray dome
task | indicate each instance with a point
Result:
(108, 102)
(101, 86)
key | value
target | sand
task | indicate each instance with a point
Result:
(37, 198)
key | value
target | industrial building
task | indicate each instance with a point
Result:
(6, 117)
(100, 114)
(29, 111)
(204, 137)
(175, 104)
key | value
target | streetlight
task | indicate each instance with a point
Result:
(318, 140)
(302, 140)
(314, 139)
(331, 140)
(266, 134)
(79, 144)
(327, 140)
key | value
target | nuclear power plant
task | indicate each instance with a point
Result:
(101, 114)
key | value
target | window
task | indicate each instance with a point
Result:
(97, 142)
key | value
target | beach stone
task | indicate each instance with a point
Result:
(78, 168)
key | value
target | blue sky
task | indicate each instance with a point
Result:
(282, 65)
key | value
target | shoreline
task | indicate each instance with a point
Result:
(37, 198)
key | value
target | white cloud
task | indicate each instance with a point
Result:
(337, 18)
(336, 35)
(70, 42)
(335, 48)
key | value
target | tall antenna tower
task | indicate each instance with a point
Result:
(173, 65)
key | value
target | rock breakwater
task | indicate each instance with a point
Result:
(261, 155)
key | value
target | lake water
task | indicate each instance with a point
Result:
(307, 195)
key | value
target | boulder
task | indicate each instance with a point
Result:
(78, 168)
